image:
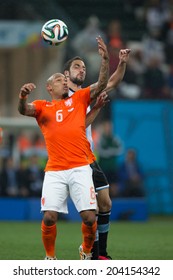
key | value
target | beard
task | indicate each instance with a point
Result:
(77, 81)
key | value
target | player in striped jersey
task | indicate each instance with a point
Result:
(75, 70)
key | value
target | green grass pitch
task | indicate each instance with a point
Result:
(151, 240)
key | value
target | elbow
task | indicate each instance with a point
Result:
(102, 87)
(115, 84)
(21, 111)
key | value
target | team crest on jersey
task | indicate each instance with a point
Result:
(68, 102)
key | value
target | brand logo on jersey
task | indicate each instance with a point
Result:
(68, 102)
(49, 105)
(70, 110)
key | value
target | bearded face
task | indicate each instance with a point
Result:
(78, 80)
(77, 72)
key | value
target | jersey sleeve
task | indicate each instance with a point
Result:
(38, 106)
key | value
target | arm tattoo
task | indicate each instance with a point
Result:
(25, 108)
(103, 77)
(22, 106)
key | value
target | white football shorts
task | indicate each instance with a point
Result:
(76, 183)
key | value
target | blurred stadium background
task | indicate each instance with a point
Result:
(142, 119)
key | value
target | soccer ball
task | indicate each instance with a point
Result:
(54, 32)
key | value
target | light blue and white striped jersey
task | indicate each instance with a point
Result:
(88, 129)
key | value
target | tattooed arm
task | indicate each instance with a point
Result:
(25, 108)
(104, 69)
(118, 75)
(100, 102)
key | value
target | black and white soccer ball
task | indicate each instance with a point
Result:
(54, 32)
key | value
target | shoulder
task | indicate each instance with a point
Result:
(83, 90)
(40, 105)
(41, 102)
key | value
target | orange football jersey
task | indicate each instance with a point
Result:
(62, 123)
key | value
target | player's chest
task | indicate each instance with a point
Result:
(63, 111)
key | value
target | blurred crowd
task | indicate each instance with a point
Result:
(121, 166)
(23, 158)
(149, 75)
(23, 161)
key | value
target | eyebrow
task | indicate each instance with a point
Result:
(77, 64)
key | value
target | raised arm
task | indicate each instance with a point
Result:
(100, 102)
(104, 69)
(118, 75)
(113, 82)
(25, 108)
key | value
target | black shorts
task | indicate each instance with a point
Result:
(99, 178)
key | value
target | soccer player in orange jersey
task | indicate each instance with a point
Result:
(75, 70)
(68, 171)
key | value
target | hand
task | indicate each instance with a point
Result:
(102, 49)
(101, 100)
(124, 55)
(26, 89)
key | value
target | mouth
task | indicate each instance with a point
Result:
(81, 76)
(66, 88)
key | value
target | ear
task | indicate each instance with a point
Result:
(49, 88)
(66, 73)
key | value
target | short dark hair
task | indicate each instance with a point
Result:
(68, 64)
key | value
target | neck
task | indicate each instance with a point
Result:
(55, 97)
(73, 86)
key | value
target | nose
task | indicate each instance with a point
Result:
(65, 81)
(82, 70)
